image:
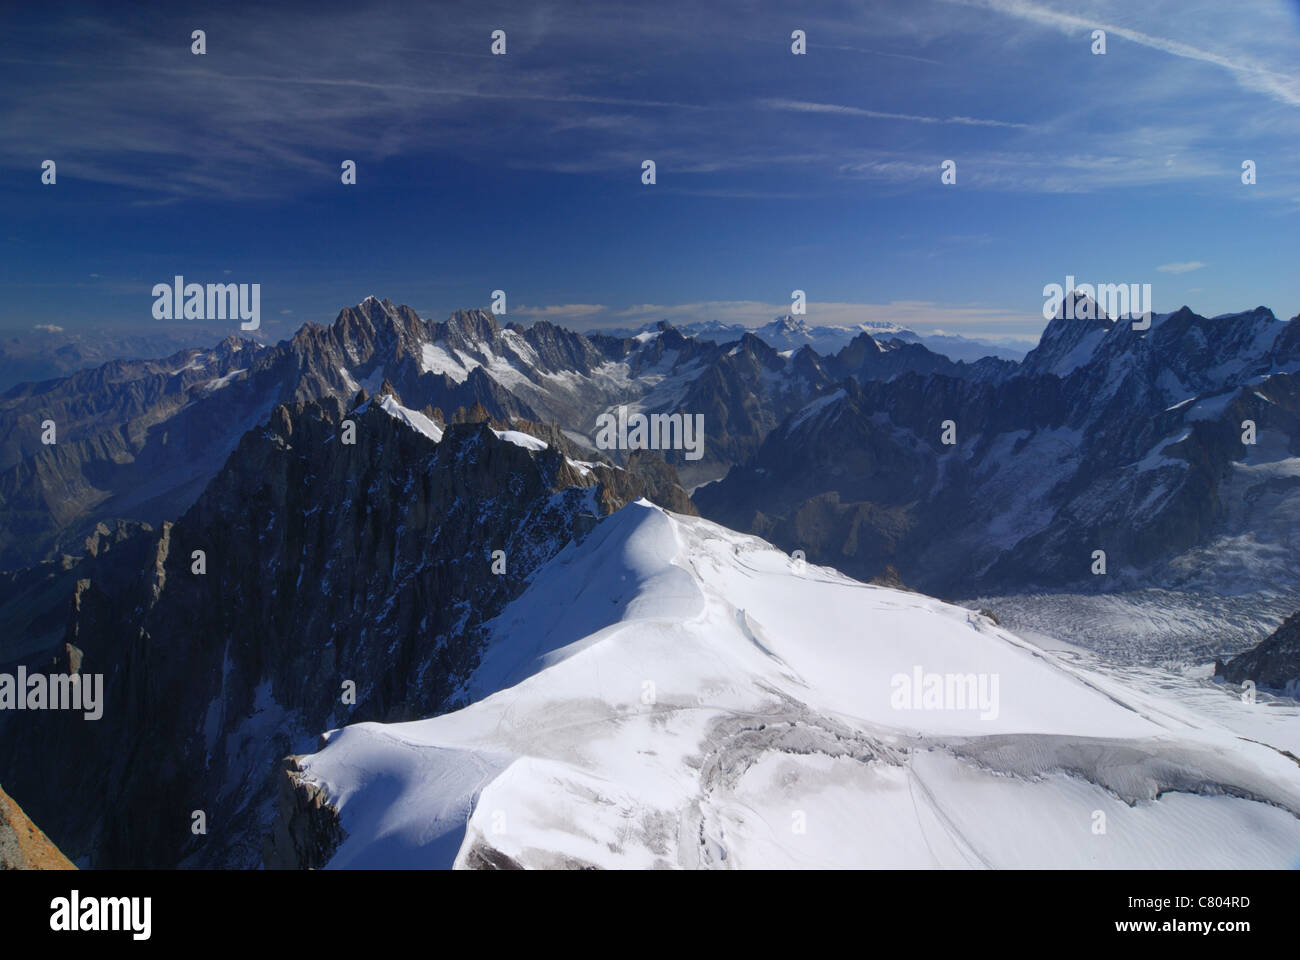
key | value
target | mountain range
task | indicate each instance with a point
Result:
(789, 332)
(50, 352)
(138, 439)
(530, 651)
(1104, 438)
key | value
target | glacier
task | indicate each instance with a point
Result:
(667, 693)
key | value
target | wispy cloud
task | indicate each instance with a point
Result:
(1048, 171)
(1280, 85)
(804, 106)
(1185, 267)
(593, 89)
(769, 164)
(560, 311)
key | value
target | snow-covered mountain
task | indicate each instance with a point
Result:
(138, 440)
(637, 686)
(49, 352)
(789, 332)
(668, 693)
(956, 347)
(1171, 449)
(325, 565)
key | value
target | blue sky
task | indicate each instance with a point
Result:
(523, 172)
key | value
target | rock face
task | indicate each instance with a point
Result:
(307, 830)
(866, 358)
(1106, 438)
(314, 583)
(133, 439)
(1274, 664)
(22, 844)
(34, 601)
(37, 355)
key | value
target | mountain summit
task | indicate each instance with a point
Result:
(668, 693)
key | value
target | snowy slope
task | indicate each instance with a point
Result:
(412, 418)
(668, 693)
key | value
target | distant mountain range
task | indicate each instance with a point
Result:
(49, 352)
(1104, 438)
(790, 333)
(138, 439)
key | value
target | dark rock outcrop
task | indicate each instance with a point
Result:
(1273, 665)
(306, 831)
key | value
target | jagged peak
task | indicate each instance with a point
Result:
(372, 302)
(670, 336)
(474, 313)
(475, 414)
(378, 310)
(475, 323)
(789, 323)
(855, 348)
(1085, 308)
(1255, 313)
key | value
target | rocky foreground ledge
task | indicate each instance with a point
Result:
(22, 844)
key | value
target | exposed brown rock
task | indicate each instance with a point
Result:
(22, 844)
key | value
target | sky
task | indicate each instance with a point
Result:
(774, 171)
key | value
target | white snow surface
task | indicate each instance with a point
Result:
(1081, 354)
(219, 382)
(670, 694)
(436, 359)
(412, 418)
(520, 439)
